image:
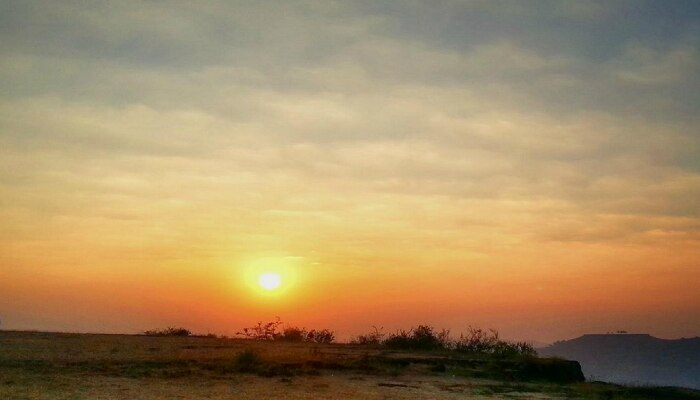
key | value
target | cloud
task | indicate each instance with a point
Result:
(463, 126)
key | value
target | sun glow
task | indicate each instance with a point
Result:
(269, 281)
(270, 278)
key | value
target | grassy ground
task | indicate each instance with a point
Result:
(67, 366)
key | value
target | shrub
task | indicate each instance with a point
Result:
(271, 331)
(169, 331)
(512, 349)
(425, 337)
(375, 337)
(247, 361)
(296, 334)
(293, 334)
(422, 337)
(477, 340)
(444, 339)
(320, 336)
(399, 340)
(267, 331)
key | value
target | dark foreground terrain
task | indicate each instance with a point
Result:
(75, 366)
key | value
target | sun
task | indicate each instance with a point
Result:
(269, 281)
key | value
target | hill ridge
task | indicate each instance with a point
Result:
(633, 358)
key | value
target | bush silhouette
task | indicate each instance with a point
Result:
(422, 337)
(260, 331)
(426, 337)
(376, 337)
(508, 349)
(477, 340)
(293, 334)
(169, 331)
(320, 336)
(272, 331)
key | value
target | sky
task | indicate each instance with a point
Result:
(532, 167)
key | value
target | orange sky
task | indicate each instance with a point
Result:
(530, 169)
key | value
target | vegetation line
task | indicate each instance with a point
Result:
(421, 337)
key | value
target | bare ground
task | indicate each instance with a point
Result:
(69, 366)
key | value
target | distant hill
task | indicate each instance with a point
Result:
(633, 358)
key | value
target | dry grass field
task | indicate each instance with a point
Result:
(53, 366)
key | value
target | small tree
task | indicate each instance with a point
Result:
(260, 331)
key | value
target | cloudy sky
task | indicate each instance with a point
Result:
(528, 166)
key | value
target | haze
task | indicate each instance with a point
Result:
(528, 166)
